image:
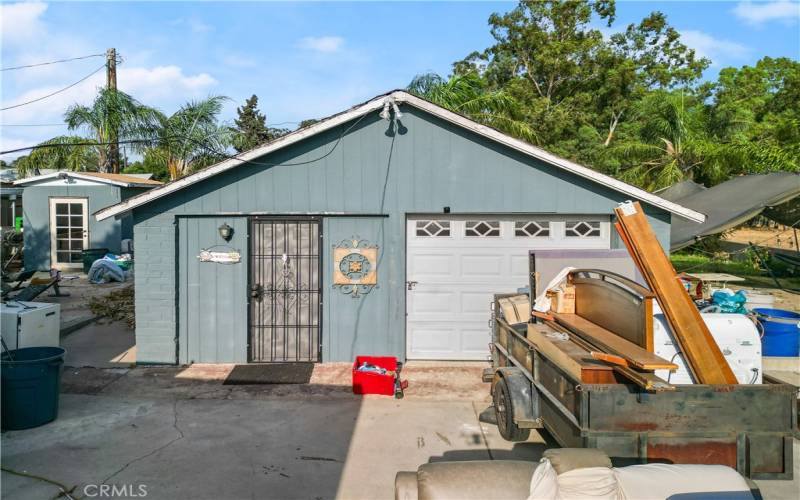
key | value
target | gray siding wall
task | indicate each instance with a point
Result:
(427, 165)
(217, 328)
(36, 212)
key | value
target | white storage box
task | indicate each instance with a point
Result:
(30, 324)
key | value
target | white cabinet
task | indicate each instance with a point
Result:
(30, 324)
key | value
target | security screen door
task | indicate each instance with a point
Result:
(69, 231)
(285, 269)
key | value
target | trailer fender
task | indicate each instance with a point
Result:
(524, 397)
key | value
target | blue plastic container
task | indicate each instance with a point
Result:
(781, 332)
(31, 379)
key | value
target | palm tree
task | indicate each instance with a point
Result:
(191, 138)
(65, 152)
(114, 116)
(468, 94)
(676, 142)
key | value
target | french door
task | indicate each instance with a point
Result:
(69, 231)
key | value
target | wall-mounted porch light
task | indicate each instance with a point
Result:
(225, 232)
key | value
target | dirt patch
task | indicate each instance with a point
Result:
(771, 238)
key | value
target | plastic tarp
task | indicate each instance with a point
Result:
(728, 204)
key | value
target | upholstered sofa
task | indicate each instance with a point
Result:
(511, 479)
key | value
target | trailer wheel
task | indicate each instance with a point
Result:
(504, 411)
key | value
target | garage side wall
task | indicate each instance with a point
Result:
(421, 166)
(36, 223)
(212, 297)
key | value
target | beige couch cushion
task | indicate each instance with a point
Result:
(566, 459)
(479, 480)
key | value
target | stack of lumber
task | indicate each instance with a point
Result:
(632, 362)
(703, 357)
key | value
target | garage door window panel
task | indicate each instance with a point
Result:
(532, 229)
(433, 228)
(583, 229)
(482, 229)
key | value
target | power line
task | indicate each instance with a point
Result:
(75, 144)
(52, 62)
(222, 154)
(54, 93)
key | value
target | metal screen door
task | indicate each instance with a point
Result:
(285, 269)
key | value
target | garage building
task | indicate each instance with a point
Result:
(369, 232)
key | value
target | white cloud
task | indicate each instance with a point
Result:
(165, 87)
(21, 21)
(162, 81)
(322, 43)
(716, 49)
(756, 13)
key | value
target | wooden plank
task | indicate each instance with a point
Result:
(569, 356)
(613, 343)
(546, 347)
(648, 381)
(703, 356)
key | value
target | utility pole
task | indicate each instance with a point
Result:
(111, 84)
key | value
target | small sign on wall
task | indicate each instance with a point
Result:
(220, 257)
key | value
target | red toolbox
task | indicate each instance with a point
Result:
(374, 383)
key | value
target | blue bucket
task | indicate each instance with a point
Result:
(781, 332)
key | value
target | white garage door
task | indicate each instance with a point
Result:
(456, 263)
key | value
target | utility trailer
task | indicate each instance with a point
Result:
(747, 427)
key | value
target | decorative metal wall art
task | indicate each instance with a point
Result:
(355, 266)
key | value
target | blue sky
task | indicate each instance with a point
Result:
(303, 60)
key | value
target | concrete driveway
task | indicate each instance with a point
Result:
(178, 433)
(336, 446)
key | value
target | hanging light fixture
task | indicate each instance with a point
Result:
(225, 232)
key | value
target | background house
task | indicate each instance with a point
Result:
(10, 198)
(57, 210)
(360, 235)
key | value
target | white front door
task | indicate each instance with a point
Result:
(455, 265)
(69, 231)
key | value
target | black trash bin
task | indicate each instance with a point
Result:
(31, 379)
(90, 255)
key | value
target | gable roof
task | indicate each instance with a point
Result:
(375, 104)
(121, 180)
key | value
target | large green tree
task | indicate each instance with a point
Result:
(677, 139)
(113, 116)
(467, 93)
(191, 138)
(575, 86)
(251, 127)
(65, 152)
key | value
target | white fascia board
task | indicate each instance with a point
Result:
(224, 165)
(39, 179)
(546, 157)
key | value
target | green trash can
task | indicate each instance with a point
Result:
(31, 379)
(90, 255)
